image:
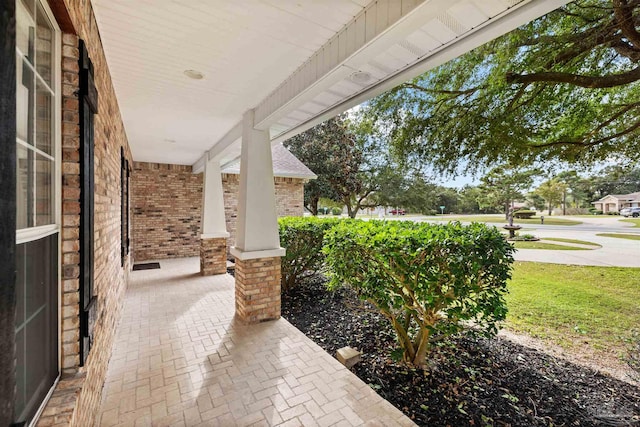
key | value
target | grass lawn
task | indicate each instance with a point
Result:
(621, 236)
(579, 242)
(544, 245)
(567, 304)
(635, 221)
(548, 220)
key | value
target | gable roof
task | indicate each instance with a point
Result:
(285, 164)
(626, 197)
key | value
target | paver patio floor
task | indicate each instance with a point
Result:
(181, 359)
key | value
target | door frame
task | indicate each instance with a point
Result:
(7, 209)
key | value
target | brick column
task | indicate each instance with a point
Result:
(258, 289)
(257, 249)
(213, 256)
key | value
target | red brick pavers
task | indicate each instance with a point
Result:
(182, 359)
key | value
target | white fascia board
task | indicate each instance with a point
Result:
(218, 149)
(509, 20)
(279, 175)
(329, 64)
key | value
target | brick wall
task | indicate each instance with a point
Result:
(77, 398)
(167, 207)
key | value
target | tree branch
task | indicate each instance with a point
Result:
(585, 144)
(409, 85)
(623, 12)
(592, 82)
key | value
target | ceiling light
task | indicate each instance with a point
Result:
(360, 77)
(193, 74)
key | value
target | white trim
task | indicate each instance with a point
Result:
(33, 69)
(275, 174)
(38, 414)
(215, 235)
(267, 253)
(30, 234)
(34, 149)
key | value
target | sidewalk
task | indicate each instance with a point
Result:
(180, 359)
(613, 253)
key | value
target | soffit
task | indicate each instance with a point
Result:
(245, 49)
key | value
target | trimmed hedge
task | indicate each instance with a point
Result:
(424, 278)
(523, 214)
(302, 238)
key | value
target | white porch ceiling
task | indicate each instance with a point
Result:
(291, 60)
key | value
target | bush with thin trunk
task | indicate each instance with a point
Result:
(424, 278)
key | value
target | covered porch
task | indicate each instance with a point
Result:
(180, 358)
(203, 85)
(224, 83)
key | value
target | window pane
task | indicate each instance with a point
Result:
(36, 354)
(44, 119)
(24, 102)
(44, 46)
(20, 291)
(44, 191)
(25, 30)
(24, 196)
(21, 378)
(37, 275)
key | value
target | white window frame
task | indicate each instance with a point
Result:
(29, 234)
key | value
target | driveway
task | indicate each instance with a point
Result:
(614, 252)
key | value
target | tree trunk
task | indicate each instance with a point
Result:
(506, 211)
(550, 208)
(350, 211)
(313, 206)
(564, 203)
(423, 349)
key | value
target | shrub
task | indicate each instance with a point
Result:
(302, 238)
(424, 278)
(523, 214)
(336, 211)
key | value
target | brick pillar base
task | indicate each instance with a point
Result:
(213, 256)
(258, 289)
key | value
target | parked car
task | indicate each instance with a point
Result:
(398, 212)
(627, 212)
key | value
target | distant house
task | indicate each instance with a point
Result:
(615, 202)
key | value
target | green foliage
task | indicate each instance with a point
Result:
(350, 159)
(424, 278)
(565, 86)
(502, 185)
(523, 214)
(612, 180)
(553, 192)
(336, 211)
(302, 238)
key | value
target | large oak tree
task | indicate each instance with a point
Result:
(563, 87)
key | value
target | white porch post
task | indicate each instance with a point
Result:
(257, 247)
(213, 240)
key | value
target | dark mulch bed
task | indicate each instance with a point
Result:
(470, 381)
